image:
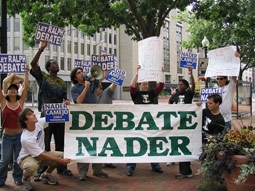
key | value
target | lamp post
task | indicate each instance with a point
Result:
(205, 44)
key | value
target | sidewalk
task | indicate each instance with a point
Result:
(143, 179)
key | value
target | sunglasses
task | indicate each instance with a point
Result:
(220, 78)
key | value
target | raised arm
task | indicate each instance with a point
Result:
(83, 94)
(7, 81)
(135, 77)
(34, 62)
(25, 88)
(192, 81)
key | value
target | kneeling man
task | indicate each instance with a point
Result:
(32, 154)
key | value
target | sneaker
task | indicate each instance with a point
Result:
(27, 185)
(83, 178)
(101, 174)
(183, 176)
(37, 178)
(48, 179)
(158, 170)
(170, 163)
(130, 173)
(110, 165)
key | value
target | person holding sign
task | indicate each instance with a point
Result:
(32, 153)
(143, 96)
(12, 105)
(184, 95)
(84, 91)
(52, 89)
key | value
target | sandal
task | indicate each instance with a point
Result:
(18, 183)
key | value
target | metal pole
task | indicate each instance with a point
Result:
(3, 35)
(207, 79)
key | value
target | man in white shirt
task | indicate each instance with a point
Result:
(32, 154)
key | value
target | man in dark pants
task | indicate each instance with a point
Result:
(143, 96)
(52, 89)
(184, 95)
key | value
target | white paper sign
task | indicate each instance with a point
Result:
(150, 56)
(223, 62)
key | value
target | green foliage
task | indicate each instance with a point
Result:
(224, 23)
(142, 19)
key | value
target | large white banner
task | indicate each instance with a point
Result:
(100, 133)
(150, 57)
(223, 62)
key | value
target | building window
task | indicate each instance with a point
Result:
(76, 32)
(16, 24)
(110, 38)
(54, 48)
(62, 48)
(62, 63)
(94, 49)
(115, 51)
(88, 49)
(110, 50)
(55, 58)
(75, 47)
(8, 44)
(8, 24)
(115, 39)
(105, 37)
(167, 79)
(69, 29)
(69, 50)
(69, 64)
(16, 43)
(82, 49)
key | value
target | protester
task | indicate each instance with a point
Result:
(227, 97)
(52, 89)
(143, 96)
(17, 80)
(11, 105)
(228, 86)
(212, 120)
(184, 95)
(84, 91)
(32, 154)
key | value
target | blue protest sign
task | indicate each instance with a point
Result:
(56, 112)
(49, 33)
(205, 92)
(188, 60)
(106, 62)
(116, 76)
(85, 64)
(13, 63)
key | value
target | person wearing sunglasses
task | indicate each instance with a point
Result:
(228, 86)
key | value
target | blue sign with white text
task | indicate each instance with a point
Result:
(56, 112)
(49, 33)
(13, 63)
(205, 92)
(116, 76)
(188, 60)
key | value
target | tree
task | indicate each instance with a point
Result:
(142, 18)
(224, 23)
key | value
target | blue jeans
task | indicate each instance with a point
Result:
(131, 166)
(10, 145)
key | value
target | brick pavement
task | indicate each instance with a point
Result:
(143, 180)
